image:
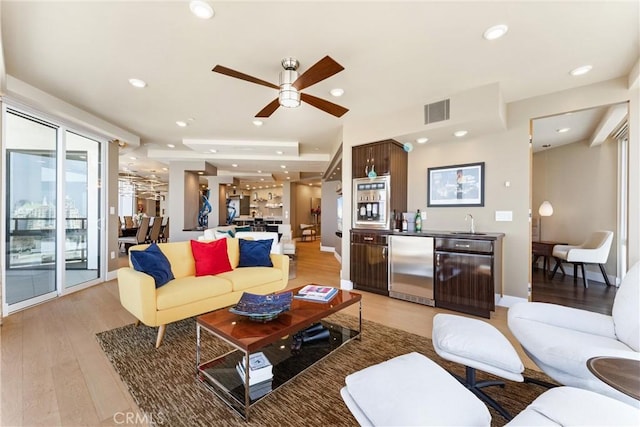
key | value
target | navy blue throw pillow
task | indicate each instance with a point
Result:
(255, 253)
(154, 263)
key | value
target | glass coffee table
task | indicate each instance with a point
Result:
(276, 340)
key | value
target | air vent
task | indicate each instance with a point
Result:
(436, 112)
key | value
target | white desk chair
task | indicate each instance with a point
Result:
(308, 231)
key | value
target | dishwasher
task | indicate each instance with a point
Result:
(411, 269)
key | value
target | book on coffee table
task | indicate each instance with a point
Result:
(260, 369)
(316, 293)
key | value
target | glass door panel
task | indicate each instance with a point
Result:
(30, 228)
(82, 210)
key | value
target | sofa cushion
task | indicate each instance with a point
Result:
(152, 262)
(255, 253)
(246, 278)
(211, 257)
(180, 256)
(188, 290)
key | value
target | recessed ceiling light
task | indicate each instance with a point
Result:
(261, 179)
(171, 146)
(310, 184)
(279, 152)
(460, 133)
(337, 92)
(580, 70)
(213, 150)
(235, 165)
(200, 173)
(286, 171)
(165, 169)
(288, 177)
(181, 123)
(258, 123)
(137, 83)
(259, 171)
(422, 140)
(563, 130)
(201, 9)
(133, 158)
(495, 32)
(283, 166)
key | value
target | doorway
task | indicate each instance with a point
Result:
(579, 170)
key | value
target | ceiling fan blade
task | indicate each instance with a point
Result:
(319, 71)
(324, 105)
(238, 75)
(269, 109)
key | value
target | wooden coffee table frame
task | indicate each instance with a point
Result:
(246, 337)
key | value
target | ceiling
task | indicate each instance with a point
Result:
(395, 54)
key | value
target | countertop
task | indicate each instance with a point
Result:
(451, 234)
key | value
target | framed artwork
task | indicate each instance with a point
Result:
(456, 185)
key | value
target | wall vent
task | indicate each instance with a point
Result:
(436, 111)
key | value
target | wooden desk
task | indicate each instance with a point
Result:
(545, 249)
(620, 373)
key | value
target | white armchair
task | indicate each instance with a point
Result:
(308, 231)
(288, 244)
(595, 250)
(561, 339)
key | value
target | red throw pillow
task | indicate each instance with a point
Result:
(211, 258)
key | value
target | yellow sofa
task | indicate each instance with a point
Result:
(187, 295)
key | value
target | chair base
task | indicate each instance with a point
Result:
(475, 387)
(584, 276)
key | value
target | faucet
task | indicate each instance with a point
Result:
(472, 230)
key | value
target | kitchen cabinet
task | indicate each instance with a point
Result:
(385, 158)
(369, 261)
(467, 274)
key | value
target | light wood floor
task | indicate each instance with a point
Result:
(53, 371)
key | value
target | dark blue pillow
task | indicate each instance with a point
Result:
(255, 253)
(154, 263)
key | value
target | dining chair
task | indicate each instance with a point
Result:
(164, 230)
(594, 250)
(154, 232)
(128, 221)
(139, 238)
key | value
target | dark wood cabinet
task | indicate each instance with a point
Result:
(386, 158)
(369, 261)
(467, 273)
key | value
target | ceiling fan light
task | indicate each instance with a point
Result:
(289, 96)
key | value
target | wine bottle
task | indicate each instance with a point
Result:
(418, 221)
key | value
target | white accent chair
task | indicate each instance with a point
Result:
(561, 339)
(308, 231)
(595, 250)
(569, 406)
(288, 244)
(219, 233)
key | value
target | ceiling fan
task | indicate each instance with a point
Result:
(291, 84)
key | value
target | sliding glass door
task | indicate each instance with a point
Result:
(52, 210)
(30, 230)
(82, 209)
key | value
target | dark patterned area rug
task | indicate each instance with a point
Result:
(162, 381)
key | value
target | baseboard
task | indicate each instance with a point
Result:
(111, 275)
(327, 248)
(508, 300)
(338, 257)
